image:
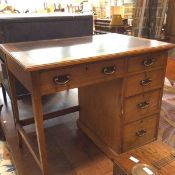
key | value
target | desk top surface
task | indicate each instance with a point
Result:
(38, 55)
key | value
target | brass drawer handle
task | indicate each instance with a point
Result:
(149, 62)
(62, 79)
(109, 70)
(145, 82)
(141, 133)
(143, 105)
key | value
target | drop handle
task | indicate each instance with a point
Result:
(61, 79)
(141, 133)
(149, 62)
(109, 70)
(145, 82)
(143, 105)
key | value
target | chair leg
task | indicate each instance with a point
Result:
(4, 94)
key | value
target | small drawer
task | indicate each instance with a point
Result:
(144, 82)
(80, 75)
(139, 133)
(106, 69)
(62, 79)
(138, 106)
(146, 62)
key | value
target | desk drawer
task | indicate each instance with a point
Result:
(139, 132)
(80, 75)
(106, 69)
(144, 82)
(146, 62)
(138, 106)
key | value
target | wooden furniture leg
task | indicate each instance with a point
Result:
(38, 117)
(4, 94)
(14, 104)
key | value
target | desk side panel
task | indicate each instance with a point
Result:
(100, 113)
(23, 76)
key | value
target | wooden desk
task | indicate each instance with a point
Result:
(119, 79)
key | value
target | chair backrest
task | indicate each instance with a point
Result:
(116, 20)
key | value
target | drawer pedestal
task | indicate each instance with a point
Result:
(113, 74)
(124, 113)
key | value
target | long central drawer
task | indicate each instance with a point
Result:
(81, 75)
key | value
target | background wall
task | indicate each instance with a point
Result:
(170, 25)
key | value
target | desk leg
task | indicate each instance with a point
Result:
(14, 104)
(38, 117)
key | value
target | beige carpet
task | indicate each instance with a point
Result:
(167, 117)
(6, 166)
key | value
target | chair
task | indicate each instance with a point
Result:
(116, 20)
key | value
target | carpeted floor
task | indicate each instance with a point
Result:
(6, 166)
(167, 117)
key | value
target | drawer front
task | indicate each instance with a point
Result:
(106, 70)
(138, 106)
(80, 75)
(139, 133)
(144, 82)
(61, 79)
(146, 62)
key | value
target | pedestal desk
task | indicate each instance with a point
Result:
(119, 80)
